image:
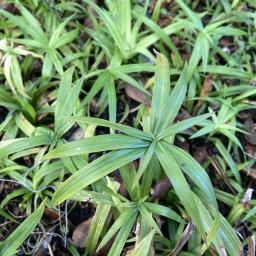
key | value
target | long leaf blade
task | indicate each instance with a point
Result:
(95, 171)
(96, 144)
(20, 234)
(174, 102)
(161, 89)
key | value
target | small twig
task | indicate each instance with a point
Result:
(66, 222)
(216, 166)
(5, 223)
(50, 249)
(251, 246)
(184, 238)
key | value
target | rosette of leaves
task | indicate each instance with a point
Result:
(154, 145)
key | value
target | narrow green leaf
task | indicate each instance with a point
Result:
(231, 135)
(180, 184)
(112, 101)
(128, 173)
(174, 102)
(124, 11)
(223, 151)
(96, 144)
(6, 215)
(143, 247)
(56, 60)
(95, 171)
(66, 101)
(24, 124)
(17, 77)
(152, 38)
(13, 146)
(47, 66)
(95, 197)
(229, 236)
(182, 125)
(229, 31)
(196, 55)
(211, 234)
(28, 24)
(7, 72)
(96, 226)
(208, 222)
(205, 48)
(67, 38)
(163, 211)
(149, 218)
(194, 171)
(99, 219)
(123, 76)
(100, 82)
(251, 213)
(55, 37)
(33, 24)
(146, 159)
(122, 236)
(120, 127)
(121, 221)
(161, 89)
(163, 36)
(19, 235)
(227, 72)
(109, 23)
(136, 68)
(192, 16)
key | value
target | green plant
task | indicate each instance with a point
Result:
(13, 242)
(127, 37)
(11, 66)
(153, 144)
(38, 38)
(129, 185)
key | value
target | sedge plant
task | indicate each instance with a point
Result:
(153, 144)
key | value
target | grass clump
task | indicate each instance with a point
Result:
(127, 128)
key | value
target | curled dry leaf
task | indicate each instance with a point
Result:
(183, 239)
(77, 134)
(10, 7)
(51, 214)
(161, 188)
(250, 126)
(251, 246)
(206, 89)
(80, 234)
(183, 116)
(250, 150)
(201, 154)
(247, 196)
(136, 95)
(250, 172)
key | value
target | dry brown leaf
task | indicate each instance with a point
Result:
(51, 214)
(251, 127)
(251, 246)
(161, 188)
(250, 150)
(10, 7)
(222, 174)
(201, 154)
(183, 239)
(183, 115)
(77, 134)
(206, 89)
(80, 233)
(250, 172)
(135, 94)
